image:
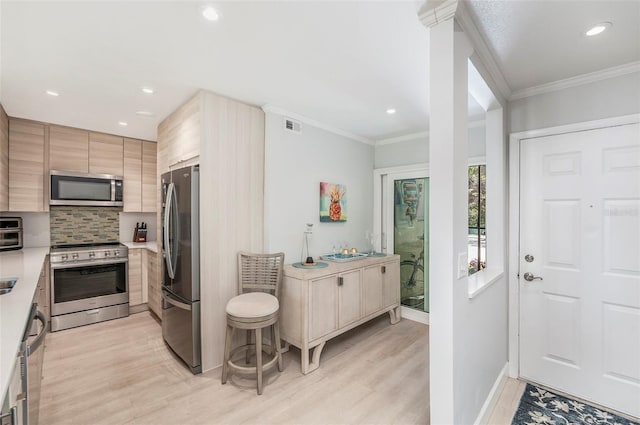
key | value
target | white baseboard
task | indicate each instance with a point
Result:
(415, 315)
(492, 398)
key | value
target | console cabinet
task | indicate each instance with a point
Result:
(319, 304)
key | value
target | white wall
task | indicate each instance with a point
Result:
(128, 222)
(416, 151)
(602, 99)
(295, 164)
(35, 228)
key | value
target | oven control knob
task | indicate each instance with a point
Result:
(116, 253)
(64, 256)
(106, 253)
(92, 254)
(75, 256)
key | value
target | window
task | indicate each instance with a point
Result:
(477, 236)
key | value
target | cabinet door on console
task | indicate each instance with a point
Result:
(323, 306)
(350, 297)
(372, 289)
(391, 283)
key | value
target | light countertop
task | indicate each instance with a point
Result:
(336, 267)
(15, 306)
(151, 246)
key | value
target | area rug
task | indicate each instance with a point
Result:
(539, 406)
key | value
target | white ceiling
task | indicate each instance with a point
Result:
(541, 41)
(342, 63)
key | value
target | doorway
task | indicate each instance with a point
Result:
(579, 262)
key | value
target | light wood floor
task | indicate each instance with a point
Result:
(121, 372)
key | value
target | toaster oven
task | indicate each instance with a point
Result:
(10, 233)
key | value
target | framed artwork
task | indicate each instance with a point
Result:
(333, 203)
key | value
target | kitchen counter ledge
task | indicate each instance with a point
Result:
(15, 306)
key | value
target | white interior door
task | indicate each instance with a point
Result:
(580, 223)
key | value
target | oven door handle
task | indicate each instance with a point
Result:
(169, 299)
(31, 348)
(101, 262)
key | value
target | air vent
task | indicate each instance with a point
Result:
(292, 125)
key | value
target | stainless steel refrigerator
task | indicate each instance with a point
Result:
(181, 254)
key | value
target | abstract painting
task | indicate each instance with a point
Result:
(333, 203)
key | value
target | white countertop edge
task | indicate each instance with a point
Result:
(151, 246)
(25, 264)
(480, 281)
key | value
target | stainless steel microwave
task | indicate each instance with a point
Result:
(69, 188)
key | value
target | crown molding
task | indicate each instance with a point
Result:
(482, 51)
(421, 134)
(578, 80)
(403, 138)
(436, 11)
(309, 121)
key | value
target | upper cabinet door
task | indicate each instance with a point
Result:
(68, 149)
(149, 176)
(26, 166)
(132, 188)
(106, 154)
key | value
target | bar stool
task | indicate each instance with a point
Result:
(257, 307)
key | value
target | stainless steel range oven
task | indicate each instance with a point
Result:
(88, 284)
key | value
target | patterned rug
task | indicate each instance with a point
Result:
(539, 406)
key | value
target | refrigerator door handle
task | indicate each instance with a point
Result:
(167, 216)
(169, 299)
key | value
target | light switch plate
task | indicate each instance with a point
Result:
(463, 267)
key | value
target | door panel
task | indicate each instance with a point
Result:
(349, 298)
(580, 220)
(323, 306)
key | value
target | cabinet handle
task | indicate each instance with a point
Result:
(383, 269)
(340, 280)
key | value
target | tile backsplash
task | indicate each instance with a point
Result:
(71, 224)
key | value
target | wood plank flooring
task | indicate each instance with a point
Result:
(121, 372)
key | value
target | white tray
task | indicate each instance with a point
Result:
(343, 258)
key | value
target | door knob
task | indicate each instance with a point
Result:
(530, 277)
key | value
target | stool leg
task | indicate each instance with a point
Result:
(259, 359)
(227, 351)
(248, 352)
(276, 342)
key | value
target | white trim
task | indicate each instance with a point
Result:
(422, 134)
(492, 398)
(481, 49)
(480, 281)
(317, 124)
(406, 137)
(514, 214)
(578, 80)
(414, 315)
(431, 16)
(422, 166)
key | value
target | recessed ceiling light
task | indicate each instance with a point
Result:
(52, 93)
(144, 113)
(391, 111)
(147, 90)
(210, 14)
(597, 29)
(123, 123)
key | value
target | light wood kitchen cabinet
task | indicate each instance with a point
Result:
(27, 166)
(4, 160)
(135, 277)
(132, 187)
(149, 176)
(106, 154)
(68, 149)
(319, 304)
(153, 272)
(181, 133)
